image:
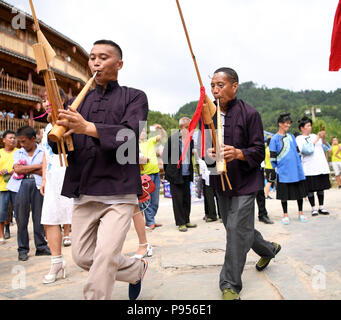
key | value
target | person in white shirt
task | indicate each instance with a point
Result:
(11, 114)
(25, 116)
(3, 114)
(315, 165)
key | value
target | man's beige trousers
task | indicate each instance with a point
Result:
(98, 233)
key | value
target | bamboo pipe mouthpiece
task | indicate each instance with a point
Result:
(58, 132)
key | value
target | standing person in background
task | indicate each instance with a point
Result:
(2, 115)
(25, 116)
(179, 177)
(11, 115)
(150, 166)
(335, 153)
(144, 249)
(209, 194)
(260, 199)
(6, 170)
(313, 149)
(57, 210)
(26, 182)
(270, 172)
(284, 156)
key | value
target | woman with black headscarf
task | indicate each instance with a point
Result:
(315, 165)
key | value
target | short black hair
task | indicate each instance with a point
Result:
(111, 43)
(230, 73)
(4, 135)
(26, 131)
(302, 122)
(284, 117)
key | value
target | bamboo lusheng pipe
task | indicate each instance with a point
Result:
(57, 132)
(210, 105)
(54, 98)
(209, 108)
(44, 54)
(49, 52)
(221, 162)
(221, 165)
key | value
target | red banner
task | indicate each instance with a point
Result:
(335, 50)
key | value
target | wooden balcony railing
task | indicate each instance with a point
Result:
(20, 86)
(15, 124)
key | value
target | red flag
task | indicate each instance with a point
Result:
(335, 51)
(192, 125)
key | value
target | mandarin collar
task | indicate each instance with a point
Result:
(110, 86)
(230, 104)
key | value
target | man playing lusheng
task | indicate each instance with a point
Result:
(104, 187)
(243, 150)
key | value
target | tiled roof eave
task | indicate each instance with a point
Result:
(20, 95)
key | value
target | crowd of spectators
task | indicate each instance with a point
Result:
(4, 115)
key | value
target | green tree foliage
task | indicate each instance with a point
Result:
(187, 110)
(165, 120)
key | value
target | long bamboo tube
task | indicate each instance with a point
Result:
(209, 108)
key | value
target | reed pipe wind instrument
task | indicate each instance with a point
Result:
(44, 54)
(221, 162)
(209, 108)
(57, 132)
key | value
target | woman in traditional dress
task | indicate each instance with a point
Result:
(313, 149)
(287, 161)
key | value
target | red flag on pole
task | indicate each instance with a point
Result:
(192, 125)
(335, 50)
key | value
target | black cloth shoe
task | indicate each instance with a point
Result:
(323, 211)
(22, 256)
(265, 219)
(135, 289)
(45, 252)
(7, 235)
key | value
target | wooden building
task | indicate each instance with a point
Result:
(20, 85)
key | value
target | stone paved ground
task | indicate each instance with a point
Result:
(186, 266)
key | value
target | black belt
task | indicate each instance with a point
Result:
(29, 176)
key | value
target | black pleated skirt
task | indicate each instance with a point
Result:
(318, 183)
(291, 191)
